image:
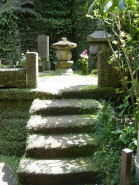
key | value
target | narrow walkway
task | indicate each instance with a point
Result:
(57, 83)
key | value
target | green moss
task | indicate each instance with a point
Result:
(24, 94)
(91, 92)
(13, 118)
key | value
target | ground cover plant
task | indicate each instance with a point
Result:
(14, 116)
(112, 134)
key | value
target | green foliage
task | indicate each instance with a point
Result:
(14, 31)
(82, 27)
(112, 134)
(9, 42)
(122, 18)
(22, 62)
(14, 116)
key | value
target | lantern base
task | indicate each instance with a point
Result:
(63, 67)
(64, 71)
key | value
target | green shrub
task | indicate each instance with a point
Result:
(112, 135)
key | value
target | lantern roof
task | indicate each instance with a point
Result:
(64, 44)
(100, 35)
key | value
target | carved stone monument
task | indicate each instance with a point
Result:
(99, 46)
(64, 55)
(31, 69)
(43, 50)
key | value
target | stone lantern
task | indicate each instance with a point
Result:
(64, 55)
(99, 46)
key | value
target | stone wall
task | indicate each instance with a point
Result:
(13, 78)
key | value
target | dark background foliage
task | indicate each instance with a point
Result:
(21, 22)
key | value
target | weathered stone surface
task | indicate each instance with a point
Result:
(100, 34)
(6, 175)
(13, 78)
(52, 149)
(48, 172)
(99, 45)
(64, 55)
(61, 124)
(108, 76)
(43, 50)
(64, 44)
(31, 69)
(64, 65)
(55, 107)
(67, 145)
(43, 46)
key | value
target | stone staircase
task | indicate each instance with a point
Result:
(59, 143)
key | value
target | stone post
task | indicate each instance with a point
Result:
(43, 50)
(31, 69)
(137, 158)
(103, 68)
(126, 166)
(99, 46)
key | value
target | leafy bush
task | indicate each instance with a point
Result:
(112, 135)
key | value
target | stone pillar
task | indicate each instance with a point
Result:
(103, 69)
(126, 166)
(137, 158)
(43, 50)
(107, 74)
(99, 46)
(31, 69)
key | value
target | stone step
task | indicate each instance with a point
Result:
(60, 107)
(61, 124)
(49, 172)
(73, 145)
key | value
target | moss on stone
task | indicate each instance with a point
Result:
(13, 78)
(24, 94)
(91, 92)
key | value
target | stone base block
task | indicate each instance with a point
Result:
(64, 71)
(63, 67)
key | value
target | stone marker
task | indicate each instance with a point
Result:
(99, 47)
(126, 166)
(31, 69)
(43, 50)
(137, 158)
